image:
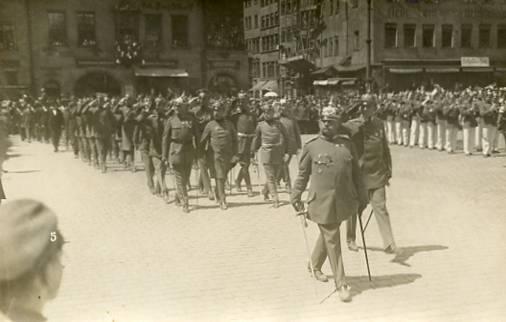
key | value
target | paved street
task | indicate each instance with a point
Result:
(131, 257)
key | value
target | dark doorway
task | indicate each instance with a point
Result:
(97, 82)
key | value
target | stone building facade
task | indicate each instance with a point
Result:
(117, 46)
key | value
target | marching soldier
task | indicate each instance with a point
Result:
(293, 141)
(220, 137)
(451, 113)
(55, 122)
(178, 148)
(246, 124)
(376, 165)
(147, 125)
(203, 115)
(488, 113)
(441, 101)
(468, 121)
(336, 192)
(104, 126)
(271, 142)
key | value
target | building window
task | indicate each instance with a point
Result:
(57, 32)
(447, 36)
(256, 21)
(501, 36)
(179, 31)
(153, 30)
(410, 35)
(484, 36)
(390, 35)
(428, 36)
(7, 36)
(466, 32)
(86, 36)
(127, 27)
(356, 40)
(11, 77)
(354, 3)
(336, 46)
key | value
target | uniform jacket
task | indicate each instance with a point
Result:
(373, 152)
(271, 141)
(336, 188)
(221, 137)
(128, 128)
(246, 125)
(178, 143)
(293, 134)
(55, 120)
(103, 123)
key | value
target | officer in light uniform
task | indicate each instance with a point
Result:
(336, 192)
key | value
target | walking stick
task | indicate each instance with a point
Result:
(365, 247)
(368, 219)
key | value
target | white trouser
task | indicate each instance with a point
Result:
(441, 134)
(422, 135)
(405, 133)
(398, 132)
(488, 137)
(431, 135)
(451, 138)
(391, 131)
(468, 137)
(414, 132)
(478, 135)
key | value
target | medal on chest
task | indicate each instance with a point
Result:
(323, 160)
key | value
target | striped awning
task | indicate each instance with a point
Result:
(160, 72)
(405, 70)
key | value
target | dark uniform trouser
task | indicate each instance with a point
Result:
(55, 138)
(160, 170)
(377, 199)
(150, 170)
(182, 174)
(84, 148)
(244, 174)
(22, 132)
(75, 143)
(329, 245)
(204, 179)
(28, 133)
(103, 147)
(93, 150)
(285, 172)
(271, 175)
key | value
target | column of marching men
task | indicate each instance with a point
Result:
(222, 140)
(433, 119)
(211, 136)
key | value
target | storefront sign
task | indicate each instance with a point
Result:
(228, 64)
(430, 11)
(168, 4)
(86, 62)
(474, 61)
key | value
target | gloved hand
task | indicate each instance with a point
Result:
(298, 206)
(286, 157)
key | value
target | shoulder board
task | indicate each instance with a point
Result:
(343, 137)
(311, 139)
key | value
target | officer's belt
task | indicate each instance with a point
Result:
(180, 141)
(267, 146)
(244, 135)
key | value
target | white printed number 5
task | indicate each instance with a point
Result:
(52, 236)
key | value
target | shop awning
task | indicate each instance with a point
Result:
(442, 69)
(323, 82)
(160, 72)
(477, 69)
(351, 68)
(258, 86)
(299, 63)
(329, 71)
(500, 69)
(270, 85)
(405, 70)
(344, 81)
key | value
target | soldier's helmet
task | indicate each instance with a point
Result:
(331, 113)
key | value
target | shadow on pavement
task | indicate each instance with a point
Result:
(360, 284)
(21, 171)
(404, 253)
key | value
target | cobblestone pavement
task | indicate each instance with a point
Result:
(131, 257)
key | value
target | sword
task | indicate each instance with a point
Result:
(303, 223)
(368, 220)
(365, 247)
